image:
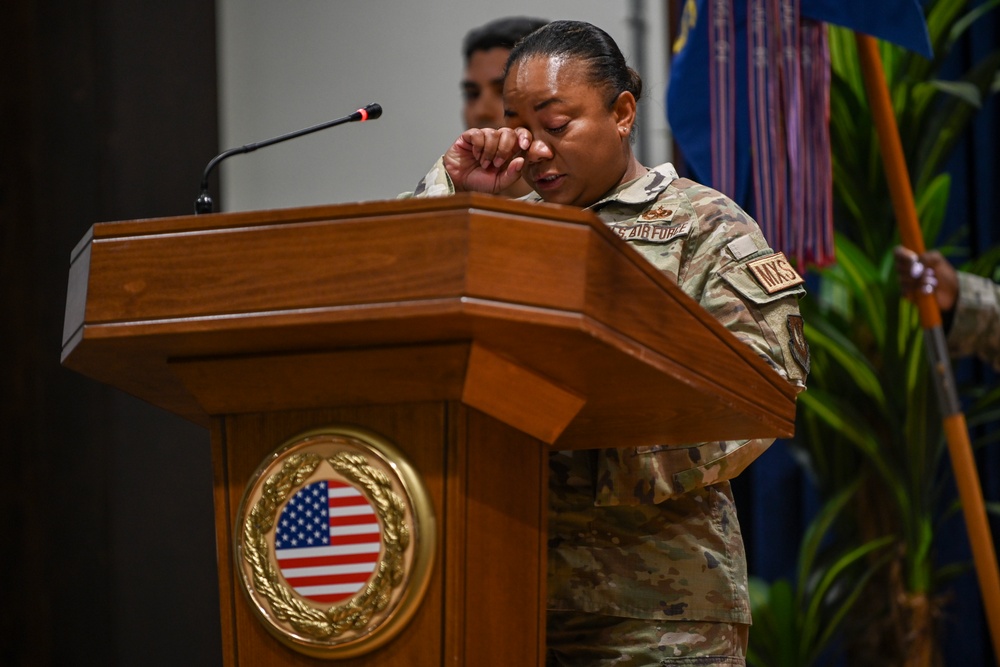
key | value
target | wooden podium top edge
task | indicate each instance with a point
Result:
(223, 222)
(349, 210)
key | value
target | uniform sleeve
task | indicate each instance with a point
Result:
(436, 183)
(753, 291)
(725, 264)
(976, 322)
(718, 256)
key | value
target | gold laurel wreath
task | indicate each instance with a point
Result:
(356, 613)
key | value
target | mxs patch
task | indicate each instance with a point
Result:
(774, 273)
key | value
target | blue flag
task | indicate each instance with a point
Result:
(898, 21)
(748, 102)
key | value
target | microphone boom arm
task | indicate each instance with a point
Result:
(203, 204)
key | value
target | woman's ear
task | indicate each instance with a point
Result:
(624, 112)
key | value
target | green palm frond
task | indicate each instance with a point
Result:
(795, 625)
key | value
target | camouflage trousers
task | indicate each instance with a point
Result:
(592, 640)
(679, 559)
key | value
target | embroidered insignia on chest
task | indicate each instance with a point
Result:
(797, 341)
(658, 213)
(774, 273)
(652, 233)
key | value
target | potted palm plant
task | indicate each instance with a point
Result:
(868, 427)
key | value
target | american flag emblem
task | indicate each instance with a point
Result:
(328, 541)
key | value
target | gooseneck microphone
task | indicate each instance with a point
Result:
(203, 204)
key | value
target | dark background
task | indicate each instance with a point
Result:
(108, 551)
(109, 112)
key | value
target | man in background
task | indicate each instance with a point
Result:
(486, 49)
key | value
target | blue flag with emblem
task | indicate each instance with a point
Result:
(748, 104)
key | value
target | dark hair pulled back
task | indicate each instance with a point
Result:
(503, 33)
(588, 43)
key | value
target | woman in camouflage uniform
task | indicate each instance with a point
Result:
(646, 559)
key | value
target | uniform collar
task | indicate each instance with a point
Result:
(643, 190)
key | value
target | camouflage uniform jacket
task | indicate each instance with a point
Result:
(651, 532)
(975, 325)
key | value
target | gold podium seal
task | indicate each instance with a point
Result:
(335, 542)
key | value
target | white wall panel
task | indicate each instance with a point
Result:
(292, 64)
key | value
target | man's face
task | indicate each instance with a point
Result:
(482, 88)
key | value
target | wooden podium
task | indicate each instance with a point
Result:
(473, 332)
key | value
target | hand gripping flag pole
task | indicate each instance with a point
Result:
(956, 431)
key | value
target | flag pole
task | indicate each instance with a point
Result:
(956, 431)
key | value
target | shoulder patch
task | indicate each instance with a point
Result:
(774, 273)
(797, 341)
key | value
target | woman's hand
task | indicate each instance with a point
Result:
(487, 160)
